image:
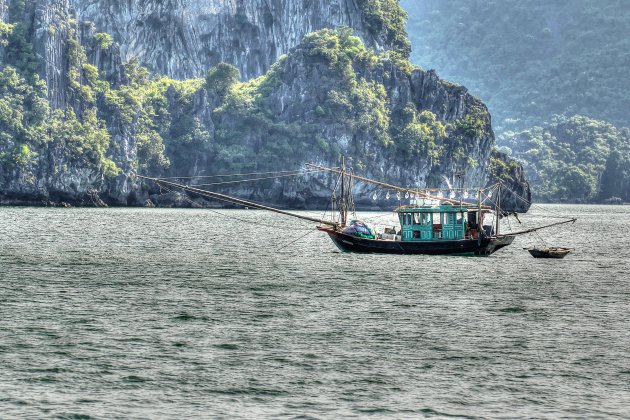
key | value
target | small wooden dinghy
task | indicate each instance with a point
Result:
(549, 252)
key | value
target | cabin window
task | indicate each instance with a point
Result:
(416, 218)
(426, 219)
(460, 217)
(437, 219)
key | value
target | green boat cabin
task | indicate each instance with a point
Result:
(445, 222)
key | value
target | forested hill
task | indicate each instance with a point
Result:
(574, 159)
(529, 59)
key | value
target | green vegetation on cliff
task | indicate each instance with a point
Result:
(348, 99)
(28, 123)
(160, 112)
(576, 159)
(103, 40)
(221, 78)
(386, 16)
(531, 60)
(83, 130)
(27, 120)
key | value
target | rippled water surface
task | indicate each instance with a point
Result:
(149, 313)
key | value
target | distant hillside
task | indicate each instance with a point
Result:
(529, 59)
(575, 160)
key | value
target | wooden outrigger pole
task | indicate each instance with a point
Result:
(238, 201)
(523, 232)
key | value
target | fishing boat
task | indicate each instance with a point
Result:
(441, 230)
(428, 224)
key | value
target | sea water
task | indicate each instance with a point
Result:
(169, 313)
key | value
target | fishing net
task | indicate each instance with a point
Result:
(359, 229)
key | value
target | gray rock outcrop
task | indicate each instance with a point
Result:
(185, 38)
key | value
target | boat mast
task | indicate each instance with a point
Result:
(497, 210)
(343, 209)
(479, 218)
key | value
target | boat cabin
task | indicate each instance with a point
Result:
(444, 222)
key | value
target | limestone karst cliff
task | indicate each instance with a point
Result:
(77, 122)
(184, 38)
(61, 138)
(331, 96)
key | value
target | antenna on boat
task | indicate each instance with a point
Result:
(497, 211)
(479, 216)
(343, 204)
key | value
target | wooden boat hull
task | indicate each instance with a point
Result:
(470, 247)
(556, 253)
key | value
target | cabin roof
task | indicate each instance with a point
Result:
(445, 208)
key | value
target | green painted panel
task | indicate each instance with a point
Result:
(448, 233)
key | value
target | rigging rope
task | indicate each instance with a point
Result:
(533, 230)
(331, 204)
(197, 205)
(296, 240)
(534, 205)
(540, 238)
(297, 172)
(250, 180)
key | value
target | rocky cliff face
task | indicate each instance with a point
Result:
(185, 38)
(55, 145)
(88, 122)
(306, 83)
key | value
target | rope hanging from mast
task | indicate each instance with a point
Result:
(240, 181)
(536, 229)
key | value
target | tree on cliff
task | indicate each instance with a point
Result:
(220, 78)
